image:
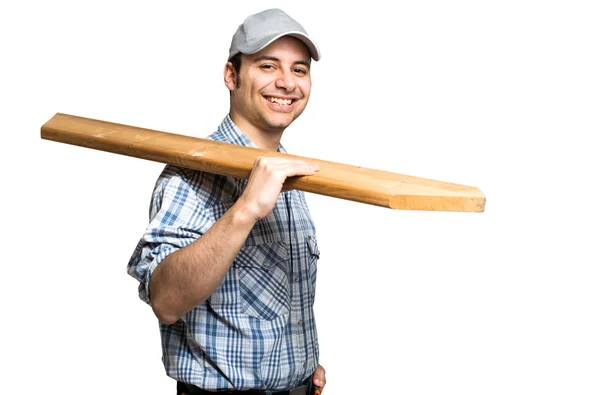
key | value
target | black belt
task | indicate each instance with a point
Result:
(193, 390)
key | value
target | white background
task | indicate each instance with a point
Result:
(504, 96)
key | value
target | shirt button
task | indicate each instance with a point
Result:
(266, 264)
(309, 237)
(296, 278)
(299, 322)
(304, 365)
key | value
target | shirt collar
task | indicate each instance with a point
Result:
(234, 135)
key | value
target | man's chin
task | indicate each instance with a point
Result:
(280, 123)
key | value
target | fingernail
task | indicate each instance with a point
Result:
(320, 383)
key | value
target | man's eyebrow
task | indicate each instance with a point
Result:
(267, 57)
(276, 59)
(304, 62)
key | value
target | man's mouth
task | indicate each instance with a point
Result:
(279, 101)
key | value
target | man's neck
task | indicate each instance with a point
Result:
(268, 140)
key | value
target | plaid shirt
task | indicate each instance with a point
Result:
(257, 330)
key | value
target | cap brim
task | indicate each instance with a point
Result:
(262, 44)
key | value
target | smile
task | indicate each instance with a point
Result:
(279, 101)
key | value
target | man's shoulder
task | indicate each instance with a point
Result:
(206, 186)
(176, 177)
(203, 187)
(192, 178)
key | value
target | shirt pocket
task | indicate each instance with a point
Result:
(264, 283)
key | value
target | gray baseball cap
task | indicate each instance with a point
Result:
(261, 29)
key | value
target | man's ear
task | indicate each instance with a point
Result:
(229, 75)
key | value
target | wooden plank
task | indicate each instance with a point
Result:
(377, 187)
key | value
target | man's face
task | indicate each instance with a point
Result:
(274, 86)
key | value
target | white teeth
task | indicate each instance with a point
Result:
(281, 102)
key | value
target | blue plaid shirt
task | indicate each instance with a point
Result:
(257, 330)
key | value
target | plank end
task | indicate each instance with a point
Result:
(468, 204)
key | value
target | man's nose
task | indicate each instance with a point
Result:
(286, 81)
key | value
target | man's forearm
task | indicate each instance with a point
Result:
(187, 277)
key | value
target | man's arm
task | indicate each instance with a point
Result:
(188, 276)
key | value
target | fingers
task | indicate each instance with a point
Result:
(266, 182)
(285, 167)
(319, 377)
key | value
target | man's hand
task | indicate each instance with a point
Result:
(266, 181)
(319, 377)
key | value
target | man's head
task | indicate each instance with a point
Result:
(268, 73)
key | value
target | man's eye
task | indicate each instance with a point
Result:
(267, 66)
(300, 71)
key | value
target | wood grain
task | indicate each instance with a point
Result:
(376, 187)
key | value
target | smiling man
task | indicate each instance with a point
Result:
(228, 265)
(270, 90)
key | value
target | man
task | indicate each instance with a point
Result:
(229, 265)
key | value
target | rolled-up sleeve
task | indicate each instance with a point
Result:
(177, 218)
